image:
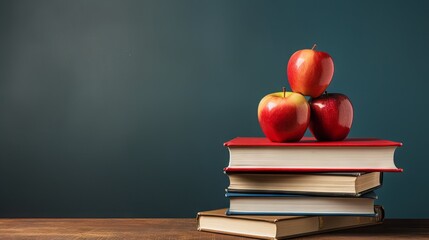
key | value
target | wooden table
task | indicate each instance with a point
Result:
(168, 228)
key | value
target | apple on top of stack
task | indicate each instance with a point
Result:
(285, 116)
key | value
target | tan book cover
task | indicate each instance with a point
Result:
(278, 227)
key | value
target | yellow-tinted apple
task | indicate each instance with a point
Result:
(309, 72)
(284, 116)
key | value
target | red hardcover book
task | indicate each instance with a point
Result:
(252, 154)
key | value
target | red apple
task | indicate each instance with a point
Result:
(309, 72)
(284, 116)
(331, 117)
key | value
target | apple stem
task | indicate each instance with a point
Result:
(284, 91)
(314, 46)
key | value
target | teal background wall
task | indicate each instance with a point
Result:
(120, 108)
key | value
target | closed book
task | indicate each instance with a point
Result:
(251, 154)
(327, 184)
(278, 227)
(299, 205)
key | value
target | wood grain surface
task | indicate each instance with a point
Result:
(168, 228)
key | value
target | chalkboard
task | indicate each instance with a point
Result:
(120, 108)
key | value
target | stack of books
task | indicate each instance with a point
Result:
(280, 190)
